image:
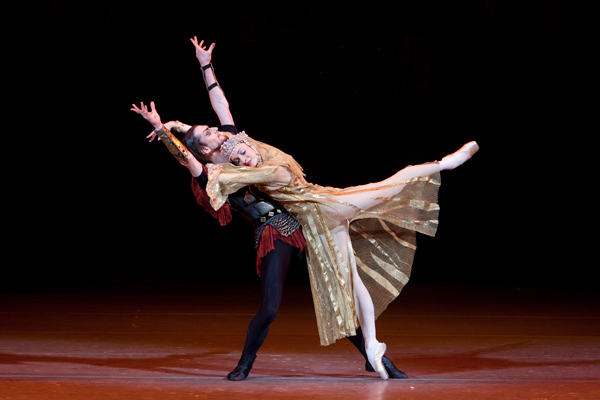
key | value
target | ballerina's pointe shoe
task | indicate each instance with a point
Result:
(374, 357)
(459, 157)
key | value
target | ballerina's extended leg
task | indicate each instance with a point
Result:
(369, 195)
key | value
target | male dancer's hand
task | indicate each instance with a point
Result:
(202, 54)
(151, 116)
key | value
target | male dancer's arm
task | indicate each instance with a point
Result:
(217, 98)
(173, 144)
(215, 92)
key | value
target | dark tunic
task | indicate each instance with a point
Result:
(271, 221)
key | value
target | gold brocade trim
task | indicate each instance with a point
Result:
(224, 179)
(175, 147)
(372, 240)
(213, 187)
(403, 203)
(392, 270)
(338, 192)
(389, 268)
(331, 242)
(326, 270)
(427, 227)
(377, 277)
(252, 175)
(398, 240)
(331, 248)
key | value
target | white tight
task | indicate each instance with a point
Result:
(365, 200)
(348, 204)
(364, 304)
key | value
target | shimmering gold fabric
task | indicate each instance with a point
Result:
(380, 219)
(173, 144)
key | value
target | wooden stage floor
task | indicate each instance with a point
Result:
(178, 340)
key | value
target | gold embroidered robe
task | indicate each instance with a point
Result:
(382, 238)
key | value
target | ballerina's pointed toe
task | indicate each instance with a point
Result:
(381, 348)
(471, 147)
(459, 157)
(376, 362)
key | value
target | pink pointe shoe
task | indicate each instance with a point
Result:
(459, 157)
(374, 356)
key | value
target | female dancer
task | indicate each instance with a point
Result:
(370, 226)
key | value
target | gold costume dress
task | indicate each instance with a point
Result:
(378, 222)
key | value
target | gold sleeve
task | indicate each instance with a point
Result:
(224, 179)
(173, 144)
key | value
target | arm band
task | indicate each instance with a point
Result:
(214, 85)
(173, 144)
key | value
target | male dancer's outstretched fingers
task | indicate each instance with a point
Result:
(202, 54)
(136, 110)
(154, 114)
(151, 116)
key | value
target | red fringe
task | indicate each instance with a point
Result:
(223, 215)
(269, 234)
(267, 243)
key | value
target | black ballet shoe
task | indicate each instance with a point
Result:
(243, 368)
(393, 372)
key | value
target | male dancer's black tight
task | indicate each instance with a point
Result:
(274, 270)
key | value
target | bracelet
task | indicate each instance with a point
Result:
(216, 83)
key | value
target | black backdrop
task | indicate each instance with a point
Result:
(353, 92)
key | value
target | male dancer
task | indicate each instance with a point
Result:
(278, 236)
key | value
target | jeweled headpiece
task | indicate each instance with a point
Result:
(228, 146)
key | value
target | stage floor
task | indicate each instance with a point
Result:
(178, 340)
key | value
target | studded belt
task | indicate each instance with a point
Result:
(285, 224)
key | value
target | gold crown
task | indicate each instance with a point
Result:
(228, 146)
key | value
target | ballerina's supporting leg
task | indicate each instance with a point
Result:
(364, 305)
(366, 312)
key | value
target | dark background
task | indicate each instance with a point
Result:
(353, 92)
